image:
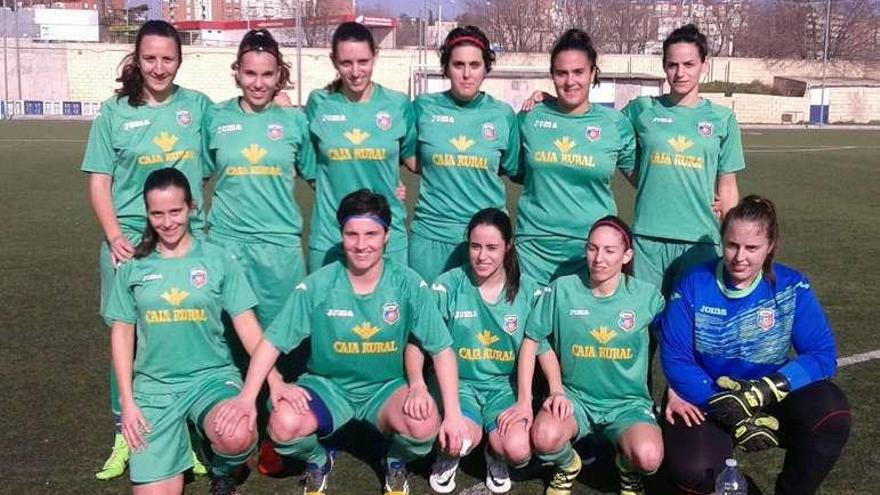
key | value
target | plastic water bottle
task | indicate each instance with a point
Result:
(731, 481)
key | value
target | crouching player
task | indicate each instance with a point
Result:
(173, 292)
(359, 315)
(597, 323)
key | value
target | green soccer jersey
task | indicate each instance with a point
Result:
(681, 153)
(359, 145)
(127, 143)
(256, 157)
(463, 149)
(601, 342)
(358, 340)
(569, 162)
(486, 337)
(175, 304)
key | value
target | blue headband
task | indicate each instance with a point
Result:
(374, 218)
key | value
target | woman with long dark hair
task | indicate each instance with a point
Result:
(149, 123)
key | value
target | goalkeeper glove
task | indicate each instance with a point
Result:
(757, 433)
(743, 398)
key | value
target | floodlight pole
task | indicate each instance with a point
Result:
(299, 46)
(825, 61)
(5, 66)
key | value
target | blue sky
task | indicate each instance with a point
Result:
(413, 7)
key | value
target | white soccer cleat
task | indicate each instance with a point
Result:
(497, 473)
(442, 479)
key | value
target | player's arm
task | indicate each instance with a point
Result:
(134, 425)
(418, 403)
(521, 411)
(454, 430)
(250, 333)
(101, 199)
(727, 192)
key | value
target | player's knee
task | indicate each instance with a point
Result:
(240, 441)
(285, 425)
(647, 456)
(421, 429)
(547, 436)
(693, 474)
(517, 449)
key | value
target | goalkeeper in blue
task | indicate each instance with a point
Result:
(728, 330)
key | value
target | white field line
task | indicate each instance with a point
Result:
(858, 358)
(799, 149)
(41, 140)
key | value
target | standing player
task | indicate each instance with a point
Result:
(726, 346)
(173, 292)
(597, 323)
(485, 305)
(362, 132)
(149, 123)
(467, 140)
(358, 315)
(571, 149)
(256, 149)
(689, 151)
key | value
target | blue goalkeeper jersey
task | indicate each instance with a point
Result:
(712, 329)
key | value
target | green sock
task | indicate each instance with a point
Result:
(561, 458)
(406, 448)
(225, 464)
(304, 449)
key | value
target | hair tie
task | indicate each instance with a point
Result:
(462, 39)
(608, 223)
(374, 218)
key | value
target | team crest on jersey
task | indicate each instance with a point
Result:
(626, 320)
(511, 324)
(705, 128)
(766, 318)
(489, 131)
(383, 120)
(198, 277)
(183, 117)
(390, 313)
(594, 133)
(275, 132)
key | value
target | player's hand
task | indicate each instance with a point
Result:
(558, 405)
(120, 250)
(537, 97)
(282, 99)
(296, 396)
(454, 435)
(517, 414)
(418, 403)
(232, 412)
(134, 427)
(757, 433)
(677, 406)
(716, 208)
(742, 399)
(400, 191)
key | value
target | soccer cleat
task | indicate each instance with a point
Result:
(223, 485)
(114, 466)
(315, 479)
(199, 469)
(396, 482)
(631, 483)
(563, 477)
(271, 464)
(497, 473)
(442, 479)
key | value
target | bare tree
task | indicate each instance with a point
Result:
(725, 21)
(617, 26)
(515, 25)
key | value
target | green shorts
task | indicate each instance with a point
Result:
(480, 402)
(344, 405)
(272, 270)
(430, 258)
(609, 423)
(662, 261)
(548, 258)
(169, 450)
(323, 257)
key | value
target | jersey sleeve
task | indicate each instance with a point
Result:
(441, 295)
(510, 156)
(237, 294)
(100, 157)
(812, 341)
(542, 319)
(209, 149)
(731, 158)
(626, 154)
(685, 376)
(121, 305)
(427, 325)
(293, 323)
(520, 174)
(410, 138)
(306, 163)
